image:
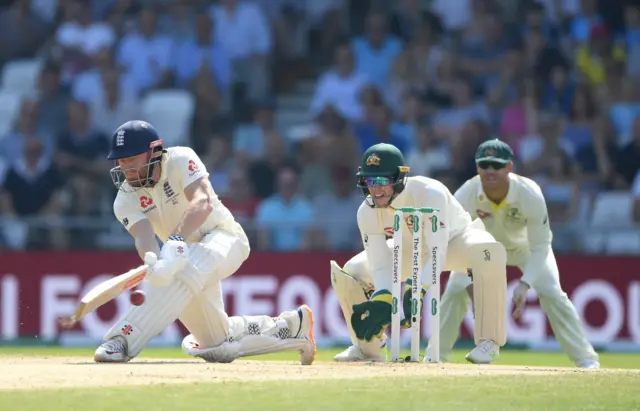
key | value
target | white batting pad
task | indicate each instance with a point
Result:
(140, 324)
(489, 265)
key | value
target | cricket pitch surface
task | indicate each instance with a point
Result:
(29, 372)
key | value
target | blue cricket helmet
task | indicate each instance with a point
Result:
(133, 138)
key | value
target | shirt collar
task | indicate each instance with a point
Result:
(510, 199)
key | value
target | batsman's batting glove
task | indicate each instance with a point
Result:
(174, 256)
(371, 318)
(406, 303)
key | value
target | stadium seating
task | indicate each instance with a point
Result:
(21, 76)
(170, 111)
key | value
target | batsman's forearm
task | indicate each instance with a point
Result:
(197, 213)
(146, 244)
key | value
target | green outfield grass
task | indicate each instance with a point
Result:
(597, 390)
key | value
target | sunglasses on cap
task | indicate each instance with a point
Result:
(377, 181)
(493, 164)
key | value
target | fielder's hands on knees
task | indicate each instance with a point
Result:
(370, 318)
(519, 299)
(406, 303)
(174, 256)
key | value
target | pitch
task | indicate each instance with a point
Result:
(64, 379)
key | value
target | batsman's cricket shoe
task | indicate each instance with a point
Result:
(113, 350)
(485, 352)
(592, 364)
(308, 352)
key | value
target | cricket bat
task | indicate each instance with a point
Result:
(105, 292)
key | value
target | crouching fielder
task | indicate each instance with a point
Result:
(513, 209)
(363, 286)
(166, 193)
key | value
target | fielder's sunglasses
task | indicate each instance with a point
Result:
(493, 164)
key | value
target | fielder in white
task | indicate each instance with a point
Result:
(514, 211)
(363, 285)
(166, 193)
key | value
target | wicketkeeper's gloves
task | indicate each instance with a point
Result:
(371, 318)
(406, 303)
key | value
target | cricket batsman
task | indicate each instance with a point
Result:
(363, 285)
(165, 192)
(514, 211)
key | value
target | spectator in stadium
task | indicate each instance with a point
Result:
(624, 109)
(429, 155)
(596, 161)
(209, 113)
(249, 139)
(378, 130)
(146, 54)
(115, 104)
(416, 68)
(52, 100)
(628, 160)
(482, 54)
(25, 128)
(244, 33)
(284, 218)
(25, 29)
(33, 189)
(264, 171)
(448, 122)
(592, 57)
(586, 18)
(79, 38)
(578, 130)
(220, 163)
(81, 157)
(334, 211)
(375, 52)
(203, 52)
(341, 87)
(241, 201)
(557, 94)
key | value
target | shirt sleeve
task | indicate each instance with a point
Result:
(464, 195)
(127, 210)
(189, 166)
(539, 236)
(379, 255)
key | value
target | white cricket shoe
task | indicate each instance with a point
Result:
(114, 350)
(308, 352)
(485, 352)
(592, 364)
(355, 354)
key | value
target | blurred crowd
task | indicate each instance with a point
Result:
(559, 80)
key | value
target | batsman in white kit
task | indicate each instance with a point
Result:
(363, 285)
(514, 210)
(165, 192)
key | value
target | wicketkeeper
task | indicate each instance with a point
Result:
(363, 286)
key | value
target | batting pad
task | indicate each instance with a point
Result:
(349, 292)
(489, 265)
(161, 307)
(252, 335)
